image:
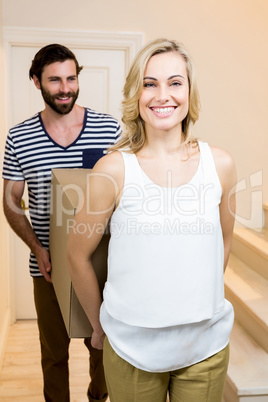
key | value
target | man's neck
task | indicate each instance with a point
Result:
(63, 129)
(51, 118)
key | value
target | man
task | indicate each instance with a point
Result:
(63, 135)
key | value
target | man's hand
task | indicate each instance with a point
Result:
(44, 264)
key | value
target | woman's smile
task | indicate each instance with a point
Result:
(163, 111)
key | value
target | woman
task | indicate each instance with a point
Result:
(166, 321)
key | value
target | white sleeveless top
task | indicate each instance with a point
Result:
(164, 305)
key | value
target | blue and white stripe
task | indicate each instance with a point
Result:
(30, 154)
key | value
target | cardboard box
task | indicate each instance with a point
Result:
(68, 190)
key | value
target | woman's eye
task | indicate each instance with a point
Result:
(148, 84)
(175, 83)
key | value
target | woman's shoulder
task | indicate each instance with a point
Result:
(222, 158)
(111, 161)
(112, 165)
(225, 165)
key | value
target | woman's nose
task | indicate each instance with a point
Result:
(162, 94)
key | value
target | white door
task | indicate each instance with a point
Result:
(101, 84)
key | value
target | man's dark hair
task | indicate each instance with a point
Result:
(51, 54)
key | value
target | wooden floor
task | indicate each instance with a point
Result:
(21, 376)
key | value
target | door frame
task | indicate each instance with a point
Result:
(129, 42)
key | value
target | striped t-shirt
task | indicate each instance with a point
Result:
(31, 153)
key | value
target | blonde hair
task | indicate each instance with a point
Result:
(134, 136)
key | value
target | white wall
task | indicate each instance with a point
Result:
(4, 282)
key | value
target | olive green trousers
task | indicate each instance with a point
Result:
(201, 382)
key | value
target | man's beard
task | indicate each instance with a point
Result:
(59, 108)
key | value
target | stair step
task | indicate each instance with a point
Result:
(250, 287)
(252, 248)
(247, 377)
(248, 293)
(256, 240)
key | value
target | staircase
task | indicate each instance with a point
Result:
(246, 287)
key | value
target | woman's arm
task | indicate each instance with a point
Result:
(105, 182)
(227, 173)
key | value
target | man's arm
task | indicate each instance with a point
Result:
(12, 194)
